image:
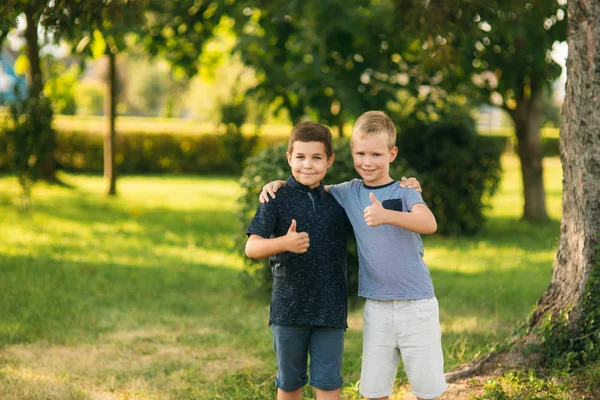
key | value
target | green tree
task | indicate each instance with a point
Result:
(333, 59)
(498, 52)
(175, 30)
(33, 11)
(317, 58)
(99, 30)
(30, 138)
(565, 325)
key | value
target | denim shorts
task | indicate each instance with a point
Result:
(402, 328)
(293, 344)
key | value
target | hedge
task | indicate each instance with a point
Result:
(183, 153)
(145, 153)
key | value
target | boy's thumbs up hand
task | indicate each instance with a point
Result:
(297, 242)
(375, 214)
(373, 199)
(292, 226)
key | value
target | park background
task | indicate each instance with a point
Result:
(132, 151)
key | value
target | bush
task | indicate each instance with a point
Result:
(271, 164)
(459, 170)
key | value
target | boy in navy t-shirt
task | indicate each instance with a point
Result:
(304, 232)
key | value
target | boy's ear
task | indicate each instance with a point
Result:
(330, 160)
(393, 153)
(289, 158)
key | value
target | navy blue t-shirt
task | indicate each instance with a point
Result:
(308, 288)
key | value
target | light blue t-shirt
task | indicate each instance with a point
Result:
(391, 265)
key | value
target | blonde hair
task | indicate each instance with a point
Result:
(375, 123)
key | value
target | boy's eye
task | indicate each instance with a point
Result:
(317, 158)
(299, 156)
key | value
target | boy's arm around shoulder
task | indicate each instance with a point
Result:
(271, 188)
(258, 247)
(420, 219)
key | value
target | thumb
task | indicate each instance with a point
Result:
(292, 226)
(373, 199)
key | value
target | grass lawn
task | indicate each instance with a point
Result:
(141, 297)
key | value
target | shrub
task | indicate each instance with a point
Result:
(271, 164)
(459, 170)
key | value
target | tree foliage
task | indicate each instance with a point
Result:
(325, 59)
(30, 138)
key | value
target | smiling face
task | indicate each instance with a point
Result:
(372, 157)
(309, 162)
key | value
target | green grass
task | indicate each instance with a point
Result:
(141, 297)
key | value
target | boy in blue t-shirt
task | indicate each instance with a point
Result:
(401, 316)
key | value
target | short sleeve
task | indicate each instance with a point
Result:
(340, 191)
(265, 220)
(412, 197)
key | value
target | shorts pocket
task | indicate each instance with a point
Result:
(427, 307)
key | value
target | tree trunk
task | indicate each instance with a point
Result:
(110, 108)
(528, 120)
(47, 169)
(340, 127)
(33, 53)
(580, 157)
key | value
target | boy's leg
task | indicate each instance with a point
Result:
(380, 353)
(291, 346)
(295, 395)
(328, 394)
(326, 351)
(420, 344)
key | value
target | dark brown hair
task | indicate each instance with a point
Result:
(311, 132)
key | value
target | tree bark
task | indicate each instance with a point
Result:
(110, 108)
(47, 168)
(528, 120)
(580, 157)
(340, 126)
(33, 53)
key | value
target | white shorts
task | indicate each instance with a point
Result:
(407, 328)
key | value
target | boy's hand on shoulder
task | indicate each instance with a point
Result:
(375, 214)
(297, 242)
(411, 183)
(269, 190)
